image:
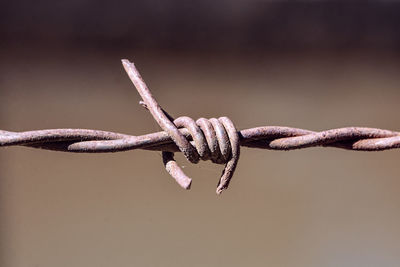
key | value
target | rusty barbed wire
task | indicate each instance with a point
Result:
(212, 139)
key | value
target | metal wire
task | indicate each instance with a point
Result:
(205, 139)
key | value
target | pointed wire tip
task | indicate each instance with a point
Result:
(188, 185)
(125, 61)
(220, 190)
(185, 183)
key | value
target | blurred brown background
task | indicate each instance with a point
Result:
(313, 65)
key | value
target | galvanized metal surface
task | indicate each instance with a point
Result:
(204, 139)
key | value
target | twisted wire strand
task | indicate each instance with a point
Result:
(204, 139)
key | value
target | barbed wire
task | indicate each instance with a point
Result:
(212, 139)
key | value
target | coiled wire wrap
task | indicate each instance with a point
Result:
(204, 139)
(215, 139)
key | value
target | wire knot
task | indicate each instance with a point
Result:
(211, 139)
(214, 139)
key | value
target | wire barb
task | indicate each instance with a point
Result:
(223, 131)
(212, 139)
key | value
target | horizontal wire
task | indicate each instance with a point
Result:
(267, 137)
(206, 139)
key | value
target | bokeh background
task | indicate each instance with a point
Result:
(313, 65)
